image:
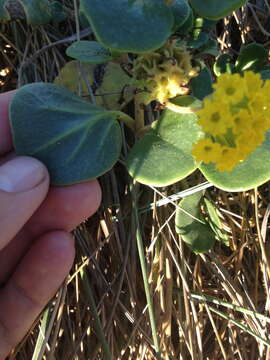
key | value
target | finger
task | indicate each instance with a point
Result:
(5, 132)
(24, 184)
(35, 281)
(63, 209)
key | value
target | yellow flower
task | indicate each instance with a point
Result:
(211, 117)
(253, 82)
(230, 87)
(206, 150)
(236, 118)
(229, 158)
(242, 122)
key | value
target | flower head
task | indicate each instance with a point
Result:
(235, 120)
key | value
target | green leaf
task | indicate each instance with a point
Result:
(210, 48)
(37, 12)
(199, 41)
(89, 52)
(181, 12)
(130, 25)
(58, 11)
(215, 222)
(202, 84)
(76, 140)
(187, 26)
(216, 9)
(251, 57)
(223, 65)
(163, 155)
(110, 83)
(194, 231)
(252, 172)
(4, 15)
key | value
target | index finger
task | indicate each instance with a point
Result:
(5, 131)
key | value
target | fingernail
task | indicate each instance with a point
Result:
(21, 174)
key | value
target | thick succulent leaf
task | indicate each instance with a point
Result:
(252, 172)
(163, 155)
(251, 57)
(37, 12)
(194, 231)
(71, 79)
(223, 65)
(214, 9)
(210, 48)
(89, 52)
(76, 140)
(58, 11)
(198, 41)
(202, 84)
(130, 25)
(215, 222)
(110, 83)
(4, 15)
(181, 11)
(187, 25)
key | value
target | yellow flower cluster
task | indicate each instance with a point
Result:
(235, 120)
(163, 74)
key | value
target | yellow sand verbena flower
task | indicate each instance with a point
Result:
(229, 87)
(164, 73)
(206, 150)
(214, 117)
(235, 120)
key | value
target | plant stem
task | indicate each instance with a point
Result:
(93, 309)
(144, 270)
(139, 114)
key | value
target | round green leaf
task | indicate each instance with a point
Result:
(214, 9)
(251, 57)
(223, 65)
(130, 25)
(252, 172)
(181, 11)
(37, 12)
(194, 231)
(163, 155)
(76, 140)
(89, 52)
(187, 25)
(201, 85)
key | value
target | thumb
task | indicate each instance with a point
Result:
(24, 183)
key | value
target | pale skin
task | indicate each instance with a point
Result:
(36, 249)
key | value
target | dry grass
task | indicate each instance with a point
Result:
(211, 306)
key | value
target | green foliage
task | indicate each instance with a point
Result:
(89, 52)
(130, 25)
(223, 65)
(37, 12)
(201, 85)
(187, 25)
(191, 225)
(181, 12)
(163, 155)
(110, 82)
(214, 221)
(213, 9)
(76, 140)
(4, 15)
(252, 57)
(252, 172)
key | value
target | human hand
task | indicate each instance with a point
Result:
(36, 249)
